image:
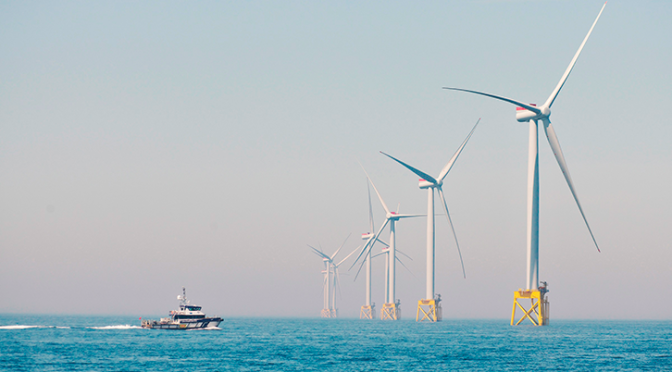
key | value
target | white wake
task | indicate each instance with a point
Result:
(125, 326)
(23, 327)
(205, 329)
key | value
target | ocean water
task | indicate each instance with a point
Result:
(98, 343)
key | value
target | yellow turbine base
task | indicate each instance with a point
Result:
(367, 312)
(539, 312)
(430, 309)
(390, 311)
(329, 313)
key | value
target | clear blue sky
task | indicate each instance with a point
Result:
(146, 146)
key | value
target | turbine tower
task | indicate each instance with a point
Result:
(533, 115)
(430, 306)
(391, 309)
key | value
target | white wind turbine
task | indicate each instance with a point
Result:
(326, 284)
(328, 310)
(367, 310)
(368, 306)
(533, 114)
(430, 183)
(391, 218)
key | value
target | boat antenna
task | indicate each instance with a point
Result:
(183, 297)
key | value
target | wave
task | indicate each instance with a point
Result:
(125, 326)
(206, 329)
(24, 326)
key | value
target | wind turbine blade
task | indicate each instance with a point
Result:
(363, 249)
(348, 256)
(337, 283)
(449, 166)
(555, 146)
(407, 256)
(384, 243)
(420, 173)
(376, 190)
(360, 269)
(368, 189)
(339, 248)
(405, 267)
(409, 215)
(364, 262)
(450, 221)
(366, 248)
(319, 253)
(551, 98)
(517, 103)
(369, 244)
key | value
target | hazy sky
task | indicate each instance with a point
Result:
(146, 146)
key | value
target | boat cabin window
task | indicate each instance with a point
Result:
(189, 316)
(193, 308)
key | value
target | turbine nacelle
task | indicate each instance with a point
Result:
(367, 236)
(424, 184)
(524, 115)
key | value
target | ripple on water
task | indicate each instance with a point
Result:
(75, 343)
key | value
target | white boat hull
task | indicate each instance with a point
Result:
(183, 325)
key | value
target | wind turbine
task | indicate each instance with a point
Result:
(390, 308)
(326, 284)
(367, 311)
(533, 114)
(429, 306)
(328, 311)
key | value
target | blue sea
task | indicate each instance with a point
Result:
(109, 343)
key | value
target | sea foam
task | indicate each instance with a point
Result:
(23, 326)
(125, 326)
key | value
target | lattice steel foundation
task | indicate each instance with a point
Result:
(391, 311)
(539, 312)
(430, 310)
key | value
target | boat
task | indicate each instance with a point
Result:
(187, 317)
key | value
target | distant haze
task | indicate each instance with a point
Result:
(146, 146)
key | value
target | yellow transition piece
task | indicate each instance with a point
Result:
(367, 312)
(540, 309)
(430, 310)
(329, 313)
(391, 311)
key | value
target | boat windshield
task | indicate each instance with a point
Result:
(193, 308)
